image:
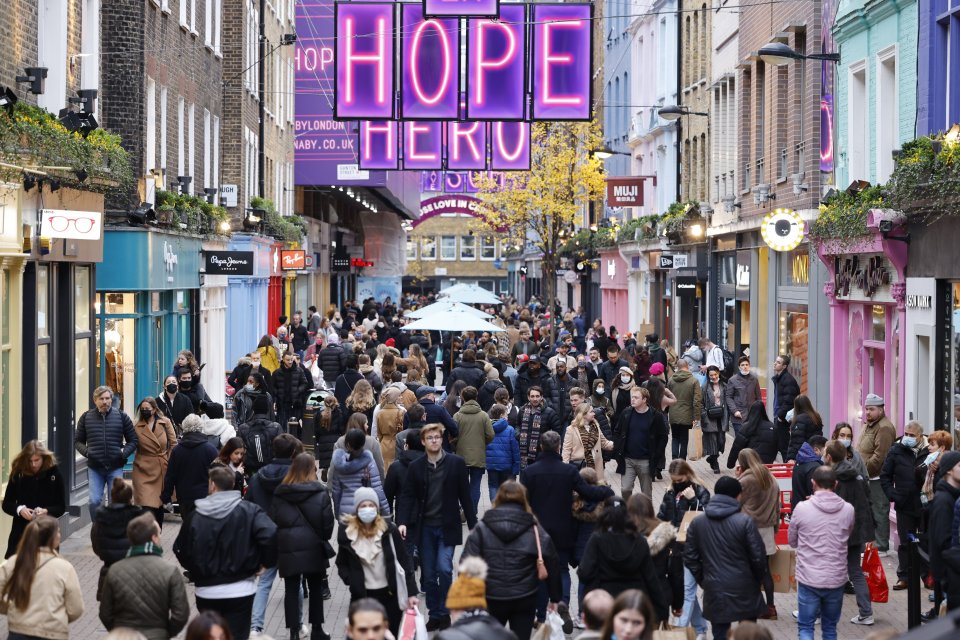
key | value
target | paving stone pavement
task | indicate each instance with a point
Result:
(77, 549)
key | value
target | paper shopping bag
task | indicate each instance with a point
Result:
(688, 517)
(666, 632)
(783, 569)
(695, 444)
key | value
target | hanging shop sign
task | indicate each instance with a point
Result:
(293, 260)
(782, 229)
(869, 274)
(674, 261)
(687, 286)
(625, 192)
(230, 263)
(73, 225)
(398, 71)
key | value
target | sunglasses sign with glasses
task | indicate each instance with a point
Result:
(72, 225)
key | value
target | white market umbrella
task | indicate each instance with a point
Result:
(453, 320)
(469, 294)
(445, 305)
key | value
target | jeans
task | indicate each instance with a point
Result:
(98, 481)
(518, 614)
(736, 427)
(264, 586)
(692, 613)
(563, 562)
(236, 611)
(823, 603)
(495, 479)
(476, 478)
(881, 515)
(680, 438)
(855, 569)
(633, 470)
(436, 560)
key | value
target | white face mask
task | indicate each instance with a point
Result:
(367, 514)
(845, 442)
(625, 379)
(600, 390)
(249, 387)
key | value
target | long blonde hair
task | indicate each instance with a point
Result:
(417, 354)
(361, 398)
(750, 459)
(579, 418)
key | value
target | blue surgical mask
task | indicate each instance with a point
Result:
(846, 442)
(908, 441)
(249, 387)
(367, 514)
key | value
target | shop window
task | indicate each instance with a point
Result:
(428, 248)
(81, 298)
(728, 269)
(411, 248)
(448, 247)
(795, 267)
(727, 333)
(183, 303)
(878, 323)
(118, 359)
(43, 302)
(488, 248)
(43, 390)
(468, 247)
(119, 303)
(793, 329)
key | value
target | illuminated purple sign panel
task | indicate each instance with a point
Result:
(496, 59)
(461, 8)
(561, 61)
(379, 144)
(430, 66)
(364, 59)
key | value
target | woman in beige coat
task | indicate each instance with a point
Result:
(157, 438)
(584, 441)
(388, 422)
(760, 500)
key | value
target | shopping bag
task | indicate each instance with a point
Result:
(695, 444)
(688, 517)
(551, 629)
(783, 569)
(876, 578)
(413, 626)
(667, 632)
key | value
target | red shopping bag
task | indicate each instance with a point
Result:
(876, 578)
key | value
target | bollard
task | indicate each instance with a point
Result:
(914, 583)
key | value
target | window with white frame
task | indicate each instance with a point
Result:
(448, 247)
(488, 248)
(206, 148)
(428, 248)
(193, 16)
(411, 248)
(181, 156)
(192, 137)
(150, 153)
(858, 140)
(216, 154)
(164, 5)
(217, 23)
(208, 23)
(90, 44)
(887, 115)
(184, 13)
(292, 86)
(52, 53)
(163, 128)
(468, 247)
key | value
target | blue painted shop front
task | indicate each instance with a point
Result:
(147, 309)
(247, 298)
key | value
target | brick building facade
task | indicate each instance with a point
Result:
(695, 61)
(443, 250)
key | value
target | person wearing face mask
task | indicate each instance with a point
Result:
(599, 400)
(191, 388)
(246, 366)
(899, 480)
(255, 387)
(620, 395)
(173, 404)
(843, 433)
(370, 549)
(155, 439)
(742, 391)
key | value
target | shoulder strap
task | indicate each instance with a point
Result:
(536, 535)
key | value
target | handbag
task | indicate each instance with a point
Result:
(715, 412)
(542, 572)
(402, 595)
(876, 578)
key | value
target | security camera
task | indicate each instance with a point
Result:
(885, 226)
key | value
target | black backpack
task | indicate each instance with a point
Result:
(729, 364)
(258, 440)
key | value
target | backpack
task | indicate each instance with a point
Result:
(729, 364)
(259, 444)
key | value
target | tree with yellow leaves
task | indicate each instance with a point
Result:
(539, 207)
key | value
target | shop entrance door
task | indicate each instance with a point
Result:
(873, 369)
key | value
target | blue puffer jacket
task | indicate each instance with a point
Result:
(106, 440)
(503, 454)
(351, 475)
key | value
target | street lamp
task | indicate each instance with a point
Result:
(673, 112)
(777, 53)
(605, 153)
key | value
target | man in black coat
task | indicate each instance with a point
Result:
(332, 360)
(898, 479)
(639, 438)
(534, 374)
(224, 546)
(550, 484)
(436, 490)
(564, 382)
(785, 391)
(299, 336)
(290, 390)
(187, 469)
(258, 435)
(106, 438)
(346, 380)
(611, 368)
(726, 556)
(433, 412)
(534, 419)
(809, 458)
(469, 370)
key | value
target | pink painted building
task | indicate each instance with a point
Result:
(614, 291)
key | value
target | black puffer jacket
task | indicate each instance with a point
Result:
(898, 478)
(801, 431)
(505, 539)
(470, 372)
(325, 439)
(105, 440)
(616, 562)
(852, 487)
(188, 469)
(672, 509)
(304, 520)
(397, 474)
(757, 433)
(265, 482)
(290, 386)
(726, 555)
(543, 379)
(487, 390)
(228, 540)
(939, 526)
(257, 436)
(785, 392)
(332, 360)
(477, 625)
(109, 535)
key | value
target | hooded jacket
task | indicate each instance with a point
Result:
(504, 538)
(353, 473)
(785, 392)
(544, 380)
(820, 530)
(689, 405)
(187, 471)
(668, 564)
(258, 435)
(807, 463)
(898, 476)
(304, 520)
(486, 393)
(332, 361)
(470, 372)
(503, 453)
(219, 428)
(616, 562)
(477, 624)
(476, 432)
(726, 556)
(264, 483)
(853, 487)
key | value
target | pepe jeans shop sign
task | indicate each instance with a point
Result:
(229, 263)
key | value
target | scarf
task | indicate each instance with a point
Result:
(589, 439)
(582, 380)
(145, 549)
(529, 434)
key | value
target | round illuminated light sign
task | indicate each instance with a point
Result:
(782, 229)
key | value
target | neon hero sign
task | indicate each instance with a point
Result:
(502, 73)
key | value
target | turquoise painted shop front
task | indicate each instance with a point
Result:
(147, 309)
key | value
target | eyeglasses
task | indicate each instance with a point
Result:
(62, 223)
(433, 438)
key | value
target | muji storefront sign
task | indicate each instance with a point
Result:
(441, 86)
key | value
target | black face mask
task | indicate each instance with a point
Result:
(171, 388)
(146, 415)
(184, 386)
(681, 486)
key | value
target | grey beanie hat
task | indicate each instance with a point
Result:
(365, 493)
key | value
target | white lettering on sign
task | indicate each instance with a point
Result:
(351, 172)
(919, 302)
(169, 257)
(227, 262)
(228, 194)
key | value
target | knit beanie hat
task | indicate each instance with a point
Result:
(728, 486)
(363, 494)
(469, 590)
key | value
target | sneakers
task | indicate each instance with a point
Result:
(864, 620)
(564, 612)
(438, 624)
(256, 633)
(931, 615)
